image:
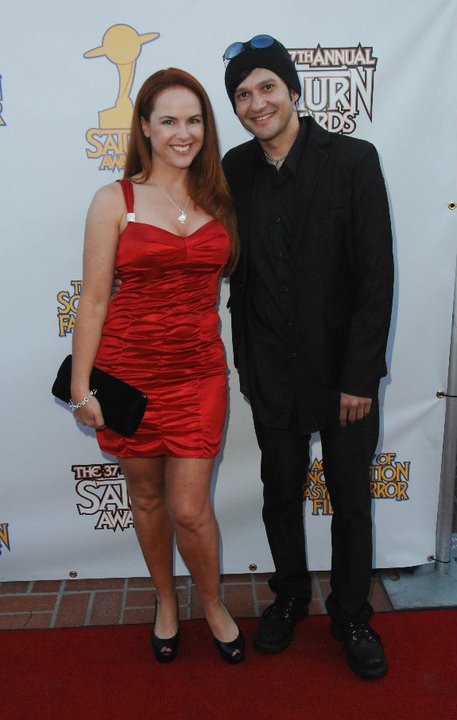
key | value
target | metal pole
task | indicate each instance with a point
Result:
(449, 457)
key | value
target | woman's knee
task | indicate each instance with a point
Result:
(190, 516)
(147, 502)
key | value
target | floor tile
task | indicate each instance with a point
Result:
(261, 577)
(378, 596)
(196, 610)
(424, 587)
(183, 595)
(106, 609)
(39, 621)
(46, 586)
(19, 586)
(27, 603)
(263, 592)
(134, 616)
(140, 598)
(135, 583)
(95, 584)
(239, 600)
(72, 610)
(17, 621)
(317, 607)
(236, 579)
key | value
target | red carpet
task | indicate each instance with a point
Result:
(104, 673)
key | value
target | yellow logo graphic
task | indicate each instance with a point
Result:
(121, 45)
(389, 480)
(2, 122)
(4, 537)
(66, 313)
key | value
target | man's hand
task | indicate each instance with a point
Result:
(353, 408)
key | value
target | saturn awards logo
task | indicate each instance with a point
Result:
(2, 122)
(66, 309)
(4, 537)
(389, 480)
(338, 84)
(103, 493)
(121, 45)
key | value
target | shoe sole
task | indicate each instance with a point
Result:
(271, 649)
(374, 674)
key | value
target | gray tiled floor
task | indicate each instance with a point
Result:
(424, 586)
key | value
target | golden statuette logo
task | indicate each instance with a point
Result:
(2, 122)
(121, 45)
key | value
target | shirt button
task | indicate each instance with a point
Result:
(277, 220)
(285, 289)
(291, 323)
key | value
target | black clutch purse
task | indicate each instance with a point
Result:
(122, 404)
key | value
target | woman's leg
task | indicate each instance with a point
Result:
(146, 487)
(188, 483)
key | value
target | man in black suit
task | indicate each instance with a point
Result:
(310, 304)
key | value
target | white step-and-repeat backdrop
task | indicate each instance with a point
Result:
(68, 71)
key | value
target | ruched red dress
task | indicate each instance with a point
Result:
(161, 334)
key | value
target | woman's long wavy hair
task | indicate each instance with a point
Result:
(207, 185)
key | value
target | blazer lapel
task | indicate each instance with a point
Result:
(243, 197)
(312, 167)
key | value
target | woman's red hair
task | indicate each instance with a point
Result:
(207, 185)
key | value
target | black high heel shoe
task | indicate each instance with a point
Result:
(165, 649)
(232, 652)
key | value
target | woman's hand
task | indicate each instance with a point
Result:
(90, 414)
(117, 282)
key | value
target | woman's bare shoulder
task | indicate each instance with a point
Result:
(108, 199)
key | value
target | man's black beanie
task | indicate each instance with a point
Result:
(275, 58)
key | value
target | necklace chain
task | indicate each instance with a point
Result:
(274, 162)
(183, 215)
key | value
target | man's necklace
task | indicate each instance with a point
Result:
(274, 162)
(183, 215)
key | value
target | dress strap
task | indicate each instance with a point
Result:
(127, 190)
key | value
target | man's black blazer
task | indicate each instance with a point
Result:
(342, 268)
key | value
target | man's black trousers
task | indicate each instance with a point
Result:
(347, 455)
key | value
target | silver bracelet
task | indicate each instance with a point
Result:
(84, 401)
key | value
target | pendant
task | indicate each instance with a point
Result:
(182, 218)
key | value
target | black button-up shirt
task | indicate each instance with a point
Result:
(271, 327)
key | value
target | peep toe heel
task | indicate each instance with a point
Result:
(164, 649)
(232, 652)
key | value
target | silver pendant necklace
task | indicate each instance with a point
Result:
(183, 215)
(274, 162)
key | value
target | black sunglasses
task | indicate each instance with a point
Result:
(257, 43)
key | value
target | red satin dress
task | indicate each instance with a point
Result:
(161, 334)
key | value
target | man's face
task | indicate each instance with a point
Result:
(264, 105)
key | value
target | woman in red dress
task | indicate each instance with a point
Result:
(168, 230)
